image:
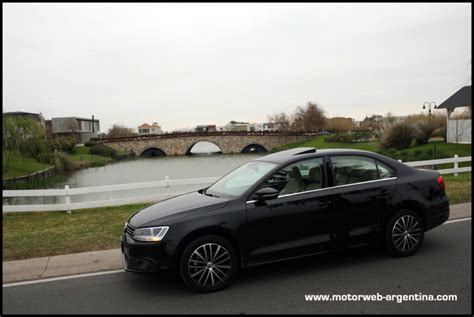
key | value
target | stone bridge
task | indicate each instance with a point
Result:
(182, 143)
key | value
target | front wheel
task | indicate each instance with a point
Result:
(208, 264)
(404, 233)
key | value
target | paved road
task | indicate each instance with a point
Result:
(442, 266)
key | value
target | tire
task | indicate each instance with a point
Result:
(404, 233)
(208, 264)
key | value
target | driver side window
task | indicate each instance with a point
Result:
(297, 177)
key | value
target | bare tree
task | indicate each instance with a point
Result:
(281, 120)
(119, 130)
(460, 125)
(309, 118)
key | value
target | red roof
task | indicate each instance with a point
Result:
(146, 125)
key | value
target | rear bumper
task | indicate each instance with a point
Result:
(437, 215)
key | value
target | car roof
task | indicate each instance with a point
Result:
(296, 154)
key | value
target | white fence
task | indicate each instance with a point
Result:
(168, 184)
(68, 192)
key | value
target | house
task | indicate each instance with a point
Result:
(266, 126)
(83, 129)
(34, 116)
(149, 129)
(237, 126)
(205, 128)
(459, 112)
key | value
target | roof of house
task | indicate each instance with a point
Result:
(461, 98)
(146, 126)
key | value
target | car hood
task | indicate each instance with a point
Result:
(167, 211)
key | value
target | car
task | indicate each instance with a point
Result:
(286, 205)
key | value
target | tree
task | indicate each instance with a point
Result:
(16, 132)
(309, 118)
(281, 121)
(459, 125)
(119, 130)
(339, 124)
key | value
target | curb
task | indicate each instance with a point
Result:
(105, 260)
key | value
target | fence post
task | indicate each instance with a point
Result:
(68, 199)
(456, 165)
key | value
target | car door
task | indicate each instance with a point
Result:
(298, 221)
(363, 190)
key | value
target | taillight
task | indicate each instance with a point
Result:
(440, 181)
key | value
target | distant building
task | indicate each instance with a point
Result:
(31, 115)
(34, 116)
(149, 129)
(459, 111)
(83, 129)
(237, 126)
(205, 128)
(267, 126)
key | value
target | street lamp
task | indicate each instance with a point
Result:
(429, 105)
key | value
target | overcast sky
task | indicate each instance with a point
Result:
(187, 64)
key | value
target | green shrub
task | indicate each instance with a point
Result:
(64, 163)
(64, 144)
(89, 143)
(424, 157)
(398, 135)
(417, 154)
(441, 154)
(103, 150)
(97, 163)
(349, 137)
(424, 131)
(45, 157)
(440, 132)
(33, 147)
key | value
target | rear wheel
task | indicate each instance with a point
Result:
(404, 233)
(208, 264)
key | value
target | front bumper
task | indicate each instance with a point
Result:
(146, 257)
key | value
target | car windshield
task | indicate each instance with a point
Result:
(239, 180)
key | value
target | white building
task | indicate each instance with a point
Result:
(149, 129)
(459, 108)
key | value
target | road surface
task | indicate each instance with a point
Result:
(442, 266)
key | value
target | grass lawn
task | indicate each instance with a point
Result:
(415, 153)
(28, 235)
(458, 188)
(319, 143)
(81, 155)
(20, 165)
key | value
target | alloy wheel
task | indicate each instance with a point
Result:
(209, 264)
(406, 233)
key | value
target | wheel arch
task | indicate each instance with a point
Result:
(411, 205)
(212, 230)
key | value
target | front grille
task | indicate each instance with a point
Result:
(129, 229)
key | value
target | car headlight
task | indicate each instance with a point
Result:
(153, 234)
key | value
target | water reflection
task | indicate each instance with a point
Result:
(143, 170)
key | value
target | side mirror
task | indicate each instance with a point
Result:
(267, 193)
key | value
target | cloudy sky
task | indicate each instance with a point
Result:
(188, 64)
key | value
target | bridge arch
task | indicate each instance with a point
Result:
(152, 152)
(254, 148)
(218, 147)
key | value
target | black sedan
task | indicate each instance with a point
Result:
(286, 205)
